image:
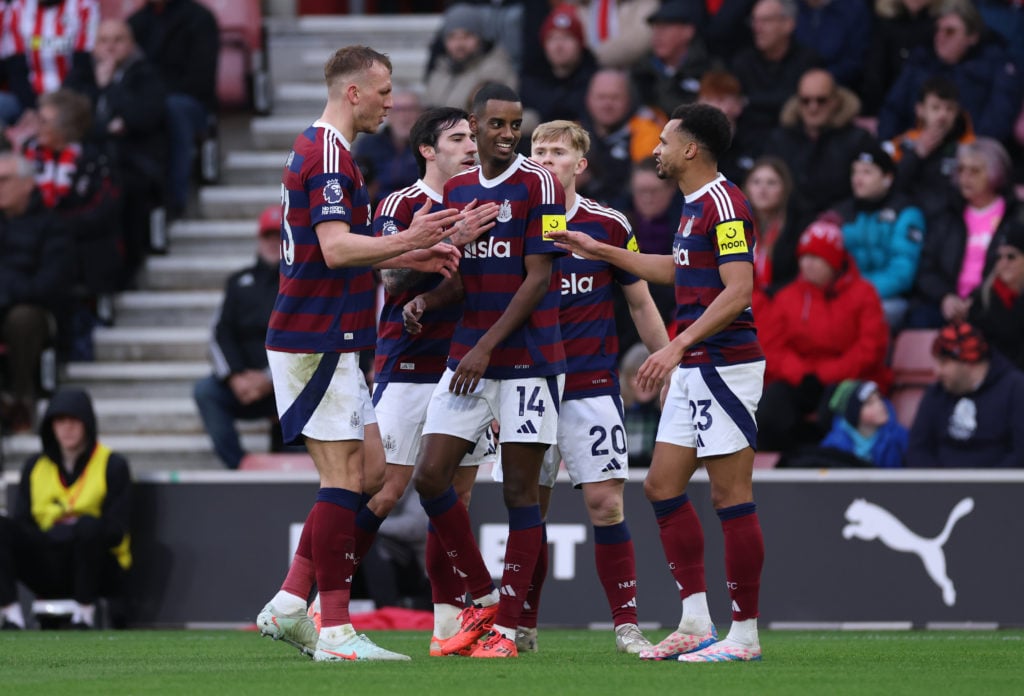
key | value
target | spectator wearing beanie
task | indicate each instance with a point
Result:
(864, 424)
(973, 416)
(823, 327)
(470, 59)
(997, 305)
(556, 87)
(882, 231)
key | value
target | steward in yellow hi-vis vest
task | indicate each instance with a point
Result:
(69, 535)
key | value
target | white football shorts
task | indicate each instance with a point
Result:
(712, 408)
(527, 409)
(591, 440)
(320, 395)
(401, 409)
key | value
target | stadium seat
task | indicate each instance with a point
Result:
(242, 76)
(912, 360)
(913, 368)
(283, 462)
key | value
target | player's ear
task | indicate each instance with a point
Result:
(428, 152)
(581, 166)
(352, 92)
(474, 126)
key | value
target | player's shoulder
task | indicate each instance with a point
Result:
(602, 213)
(401, 199)
(465, 178)
(544, 179)
(724, 200)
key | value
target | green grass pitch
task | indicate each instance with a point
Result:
(569, 662)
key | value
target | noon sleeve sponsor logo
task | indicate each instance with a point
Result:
(631, 244)
(731, 238)
(552, 223)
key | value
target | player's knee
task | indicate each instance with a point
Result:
(428, 483)
(606, 515)
(518, 494)
(654, 490)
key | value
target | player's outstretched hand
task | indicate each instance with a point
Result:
(579, 243)
(659, 366)
(441, 258)
(476, 220)
(428, 228)
(411, 314)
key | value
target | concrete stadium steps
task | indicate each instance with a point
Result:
(256, 166)
(300, 98)
(167, 308)
(175, 452)
(120, 344)
(279, 132)
(299, 47)
(154, 379)
(239, 202)
(173, 415)
(198, 238)
(193, 273)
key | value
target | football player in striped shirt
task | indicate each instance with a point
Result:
(324, 315)
(591, 435)
(506, 363)
(407, 367)
(715, 370)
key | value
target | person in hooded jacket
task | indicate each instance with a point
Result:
(823, 327)
(69, 532)
(882, 230)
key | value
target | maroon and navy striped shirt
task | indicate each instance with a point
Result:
(492, 268)
(716, 227)
(401, 356)
(587, 315)
(321, 309)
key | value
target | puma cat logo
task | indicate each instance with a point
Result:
(869, 521)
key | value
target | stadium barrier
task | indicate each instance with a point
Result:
(843, 548)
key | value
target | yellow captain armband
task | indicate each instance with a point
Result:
(731, 238)
(552, 223)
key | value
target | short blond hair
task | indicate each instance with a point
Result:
(351, 60)
(571, 132)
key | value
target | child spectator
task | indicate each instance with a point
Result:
(925, 155)
(865, 425)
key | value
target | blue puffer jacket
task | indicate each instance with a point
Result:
(884, 237)
(887, 451)
(988, 81)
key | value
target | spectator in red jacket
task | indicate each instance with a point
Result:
(822, 328)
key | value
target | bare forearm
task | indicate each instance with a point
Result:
(347, 249)
(722, 311)
(398, 280)
(654, 268)
(648, 321)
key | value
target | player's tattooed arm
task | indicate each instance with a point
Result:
(398, 280)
